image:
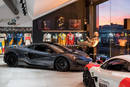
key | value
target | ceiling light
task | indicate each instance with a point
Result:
(23, 5)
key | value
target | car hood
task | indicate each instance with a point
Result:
(87, 59)
(81, 53)
(78, 55)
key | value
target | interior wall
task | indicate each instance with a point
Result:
(75, 10)
(37, 35)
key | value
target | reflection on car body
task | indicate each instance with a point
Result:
(46, 55)
(115, 72)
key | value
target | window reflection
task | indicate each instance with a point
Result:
(114, 16)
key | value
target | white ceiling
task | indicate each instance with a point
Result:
(6, 14)
(43, 7)
(37, 8)
(1, 3)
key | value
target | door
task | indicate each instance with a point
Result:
(41, 55)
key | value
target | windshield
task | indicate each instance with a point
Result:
(64, 49)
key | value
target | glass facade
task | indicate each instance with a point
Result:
(114, 36)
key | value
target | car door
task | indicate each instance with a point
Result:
(41, 55)
(30, 52)
(111, 73)
(101, 77)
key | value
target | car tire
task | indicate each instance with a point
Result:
(11, 60)
(87, 79)
(61, 64)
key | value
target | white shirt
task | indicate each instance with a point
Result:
(47, 37)
(27, 38)
(78, 36)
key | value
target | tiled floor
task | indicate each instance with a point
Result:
(27, 77)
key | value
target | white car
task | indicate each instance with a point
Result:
(115, 72)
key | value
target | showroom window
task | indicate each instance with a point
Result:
(114, 17)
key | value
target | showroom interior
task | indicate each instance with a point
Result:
(64, 43)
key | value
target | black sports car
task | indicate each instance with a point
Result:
(46, 55)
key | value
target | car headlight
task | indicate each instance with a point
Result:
(88, 56)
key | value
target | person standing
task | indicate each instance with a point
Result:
(91, 44)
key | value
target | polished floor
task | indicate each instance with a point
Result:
(28, 77)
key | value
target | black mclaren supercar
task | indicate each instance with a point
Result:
(46, 55)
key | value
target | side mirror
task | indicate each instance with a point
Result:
(99, 62)
(103, 59)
